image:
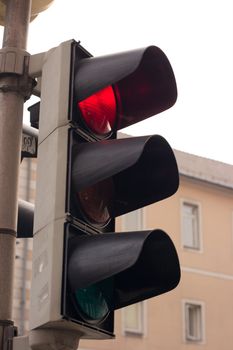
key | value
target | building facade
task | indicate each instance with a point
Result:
(199, 312)
(23, 252)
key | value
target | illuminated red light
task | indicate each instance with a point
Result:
(99, 111)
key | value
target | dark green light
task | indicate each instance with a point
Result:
(95, 301)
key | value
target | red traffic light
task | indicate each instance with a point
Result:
(115, 91)
(100, 111)
(109, 177)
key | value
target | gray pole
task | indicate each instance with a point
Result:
(14, 88)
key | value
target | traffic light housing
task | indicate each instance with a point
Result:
(82, 269)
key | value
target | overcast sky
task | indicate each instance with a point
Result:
(197, 37)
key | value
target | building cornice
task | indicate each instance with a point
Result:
(201, 169)
(204, 169)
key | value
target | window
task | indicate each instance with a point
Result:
(133, 319)
(193, 322)
(191, 225)
(133, 315)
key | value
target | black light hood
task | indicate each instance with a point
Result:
(143, 170)
(25, 219)
(144, 264)
(143, 80)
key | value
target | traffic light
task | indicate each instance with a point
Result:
(26, 209)
(82, 269)
(25, 219)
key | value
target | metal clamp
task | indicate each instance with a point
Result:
(12, 60)
(15, 62)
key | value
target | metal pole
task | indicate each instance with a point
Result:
(12, 97)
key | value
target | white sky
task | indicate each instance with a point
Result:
(197, 37)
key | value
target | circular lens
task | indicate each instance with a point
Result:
(99, 111)
(92, 303)
(95, 202)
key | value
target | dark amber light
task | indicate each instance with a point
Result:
(96, 201)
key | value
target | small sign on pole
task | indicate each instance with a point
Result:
(29, 142)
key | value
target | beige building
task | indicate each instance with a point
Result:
(23, 253)
(199, 312)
